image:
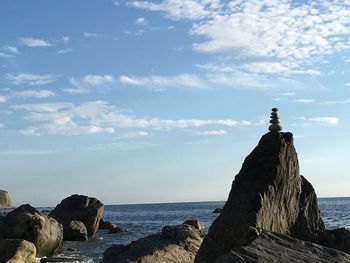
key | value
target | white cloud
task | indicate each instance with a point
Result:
(347, 84)
(34, 94)
(1, 125)
(164, 82)
(212, 132)
(141, 21)
(98, 80)
(334, 102)
(76, 90)
(64, 51)
(3, 55)
(3, 99)
(324, 120)
(35, 42)
(184, 9)
(65, 39)
(11, 49)
(304, 100)
(31, 79)
(102, 117)
(91, 35)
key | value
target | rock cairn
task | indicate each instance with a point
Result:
(275, 121)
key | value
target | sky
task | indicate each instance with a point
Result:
(160, 101)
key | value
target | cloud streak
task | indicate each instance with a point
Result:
(35, 42)
(31, 79)
(101, 117)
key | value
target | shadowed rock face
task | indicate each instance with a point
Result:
(268, 193)
(82, 208)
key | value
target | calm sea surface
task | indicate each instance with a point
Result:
(145, 219)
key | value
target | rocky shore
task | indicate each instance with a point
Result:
(271, 215)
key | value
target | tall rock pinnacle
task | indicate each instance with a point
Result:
(268, 193)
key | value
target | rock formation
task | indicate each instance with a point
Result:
(108, 225)
(178, 243)
(17, 251)
(82, 208)
(5, 200)
(268, 193)
(74, 231)
(272, 247)
(25, 222)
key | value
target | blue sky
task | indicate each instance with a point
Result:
(160, 101)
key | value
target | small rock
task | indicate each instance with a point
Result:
(217, 210)
(108, 225)
(5, 200)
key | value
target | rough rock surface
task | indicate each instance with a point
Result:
(108, 225)
(25, 222)
(271, 247)
(82, 208)
(268, 193)
(5, 200)
(17, 251)
(74, 231)
(178, 243)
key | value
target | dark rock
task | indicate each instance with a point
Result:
(5, 200)
(17, 251)
(336, 238)
(82, 208)
(217, 210)
(108, 225)
(25, 222)
(272, 247)
(74, 231)
(178, 243)
(268, 193)
(61, 259)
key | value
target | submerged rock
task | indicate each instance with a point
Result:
(178, 243)
(108, 225)
(5, 200)
(17, 251)
(82, 208)
(268, 193)
(74, 231)
(25, 222)
(272, 247)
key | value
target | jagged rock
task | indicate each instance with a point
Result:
(217, 210)
(5, 200)
(82, 208)
(17, 251)
(178, 243)
(268, 193)
(272, 247)
(25, 222)
(74, 231)
(108, 225)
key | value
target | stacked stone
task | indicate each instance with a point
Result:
(275, 122)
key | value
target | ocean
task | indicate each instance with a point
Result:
(142, 220)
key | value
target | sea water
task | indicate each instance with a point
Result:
(145, 219)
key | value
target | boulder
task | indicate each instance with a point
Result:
(268, 193)
(272, 247)
(82, 208)
(178, 243)
(5, 200)
(74, 231)
(25, 222)
(108, 225)
(17, 251)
